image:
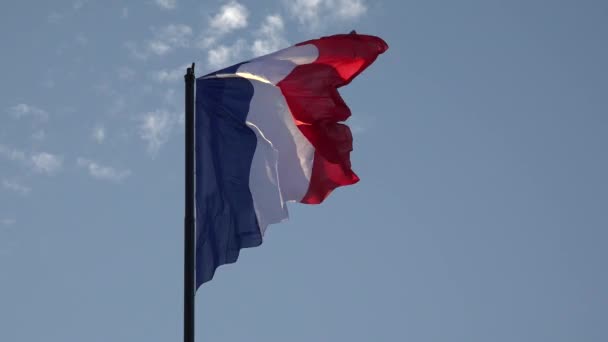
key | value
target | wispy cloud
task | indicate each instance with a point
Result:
(170, 75)
(15, 186)
(166, 39)
(126, 73)
(104, 87)
(349, 9)
(41, 162)
(48, 83)
(81, 39)
(155, 129)
(305, 11)
(224, 55)
(54, 17)
(312, 14)
(102, 172)
(78, 4)
(270, 36)
(170, 37)
(39, 135)
(159, 47)
(166, 4)
(57, 16)
(124, 13)
(12, 153)
(8, 221)
(172, 98)
(23, 110)
(229, 17)
(46, 163)
(136, 51)
(98, 134)
(118, 105)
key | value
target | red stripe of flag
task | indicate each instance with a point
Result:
(312, 96)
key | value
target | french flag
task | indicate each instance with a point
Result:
(268, 132)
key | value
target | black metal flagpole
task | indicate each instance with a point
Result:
(189, 230)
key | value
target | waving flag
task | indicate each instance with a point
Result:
(269, 131)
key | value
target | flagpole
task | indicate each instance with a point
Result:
(189, 228)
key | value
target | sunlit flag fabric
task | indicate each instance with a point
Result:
(269, 131)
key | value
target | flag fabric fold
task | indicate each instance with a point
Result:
(269, 131)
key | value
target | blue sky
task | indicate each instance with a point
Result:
(480, 139)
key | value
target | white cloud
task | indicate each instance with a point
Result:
(124, 13)
(166, 39)
(102, 172)
(41, 162)
(158, 47)
(24, 110)
(349, 9)
(155, 129)
(15, 186)
(223, 55)
(305, 10)
(48, 163)
(169, 37)
(312, 14)
(99, 134)
(232, 16)
(170, 75)
(173, 99)
(166, 4)
(270, 36)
